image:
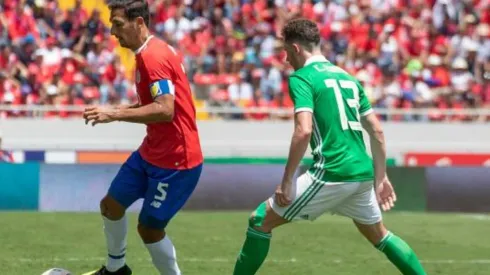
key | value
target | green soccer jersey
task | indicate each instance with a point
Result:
(337, 102)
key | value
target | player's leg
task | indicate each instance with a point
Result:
(128, 186)
(396, 249)
(309, 200)
(168, 191)
(256, 246)
(363, 208)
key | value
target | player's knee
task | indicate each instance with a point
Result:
(255, 220)
(103, 207)
(150, 235)
(374, 233)
(111, 209)
(258, 217)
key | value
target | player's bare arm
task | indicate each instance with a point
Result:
(303, 122)
(160, 110)
(377, 140)
(128, 106)
(384, 189)
(96, 113)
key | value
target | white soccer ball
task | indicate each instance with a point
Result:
(57, 271)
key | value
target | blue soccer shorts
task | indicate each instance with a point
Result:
(164, 191)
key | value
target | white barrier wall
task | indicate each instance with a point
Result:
(232, 138)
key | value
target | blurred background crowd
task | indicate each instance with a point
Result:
(407, 53)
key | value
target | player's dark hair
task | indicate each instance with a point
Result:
(302, 31)
(132, 9)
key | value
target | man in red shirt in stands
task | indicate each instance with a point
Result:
(258, 102)
(166, 168)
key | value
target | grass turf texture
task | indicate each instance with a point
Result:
(208, 242)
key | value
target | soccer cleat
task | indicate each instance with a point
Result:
(125, 270)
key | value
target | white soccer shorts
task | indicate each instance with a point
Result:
(311, 199)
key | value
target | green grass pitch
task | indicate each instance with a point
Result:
(208, 242)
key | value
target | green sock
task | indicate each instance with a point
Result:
(253, 253)
(401, 255)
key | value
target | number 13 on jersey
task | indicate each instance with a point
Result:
(336, 86)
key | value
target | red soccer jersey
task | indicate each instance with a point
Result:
(175, 144)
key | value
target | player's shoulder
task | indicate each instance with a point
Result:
(312, 72)
(318, 72)
(330, 71)
(158, 55)
(152, 48)
(298, 78)
(312, 69)
(157, 50)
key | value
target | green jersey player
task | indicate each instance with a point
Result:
(331, 110)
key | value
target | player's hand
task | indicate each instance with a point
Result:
(283, 194)
(98, 115)
(385, 194)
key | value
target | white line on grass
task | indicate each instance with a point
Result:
(478, 217)
(229, 260)
(475, 261)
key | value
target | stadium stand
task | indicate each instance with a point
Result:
(408, 54)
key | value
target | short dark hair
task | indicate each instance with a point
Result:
(132, 9)
(302, 31)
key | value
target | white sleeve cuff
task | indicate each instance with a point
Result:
(370, 110)
(303, 109)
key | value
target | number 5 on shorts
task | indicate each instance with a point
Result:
(162, 188)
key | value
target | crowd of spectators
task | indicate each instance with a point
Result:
(407, 53)
(54, 57)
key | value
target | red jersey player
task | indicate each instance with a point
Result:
(167, 166)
